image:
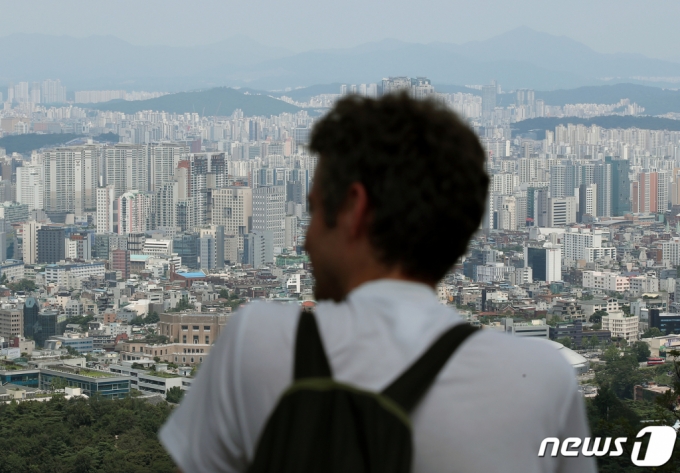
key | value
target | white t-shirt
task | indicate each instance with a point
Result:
(488, 411)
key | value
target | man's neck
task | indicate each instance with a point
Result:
(376, 274)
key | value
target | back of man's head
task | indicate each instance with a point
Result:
(423, 171)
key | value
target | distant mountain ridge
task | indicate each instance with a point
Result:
(518, 58)
(220, 101)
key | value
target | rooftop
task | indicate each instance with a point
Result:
(195, 274)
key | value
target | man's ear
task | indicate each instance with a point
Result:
(356, 210)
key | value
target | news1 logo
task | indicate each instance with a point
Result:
(659, 449)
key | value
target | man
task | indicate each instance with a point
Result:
(399, 190)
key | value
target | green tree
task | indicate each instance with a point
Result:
(183, 304)
(83, 435)
(22, 285)
(622, 375)
(224, 294)
(174, 395)
(596, 318)
(152, 318)
(652, 332)
(611, 354)
(82, 320)
(566, 341)
(58, 384)
(72, 351)
(641, 351)
(593, 341)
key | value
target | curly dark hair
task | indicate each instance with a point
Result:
(423, 170)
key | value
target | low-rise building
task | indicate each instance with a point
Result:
(574, 331)
(605, 281)
(191, 327)
(12, 270)
(533, 328)
(622, 326)
(76, 341)
(108, 385)
(149, 377)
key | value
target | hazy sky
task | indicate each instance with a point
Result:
(648, 27)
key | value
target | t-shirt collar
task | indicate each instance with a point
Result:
(392, 288)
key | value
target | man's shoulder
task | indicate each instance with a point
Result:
(526, 353)
(261, 319)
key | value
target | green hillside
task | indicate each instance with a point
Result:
(220, 101)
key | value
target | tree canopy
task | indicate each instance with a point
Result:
(83, 435)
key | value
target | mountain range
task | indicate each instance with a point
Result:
(519, 58)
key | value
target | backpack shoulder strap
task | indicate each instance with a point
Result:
(411, 385)
(310, 357)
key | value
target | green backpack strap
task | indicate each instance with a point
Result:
(410, 387)
(310, 357)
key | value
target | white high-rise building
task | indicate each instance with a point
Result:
(126, 167)
(134, 212)
(290, 238)
(21, 92)
(506, 213)
(53, 91)
(269, 212)
(527, 170)
(504, 183)
(70, 178)
(557, 180)
(30, 186)
(233, 208)
(587, 200)
(561, 211)
(163, 160)
(29, 231)
(106, 200)
(585, 244)
(670, 251)
(166, 200)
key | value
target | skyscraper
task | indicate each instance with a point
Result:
(545, 262)
(557, 181)
(29, 233)
(233, 208)
(31, 311)
(134, 212)
(70, 178)
(620, 186)
(194, 180)
(126, 168)
(166, 199)
(488, 99)
(602, 175)
(105, 209)
(164, 158)
(52, 92)
(269, 212)
(587, 201)
(51, 245)
(30, 187)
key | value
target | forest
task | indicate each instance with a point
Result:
(83, 436)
